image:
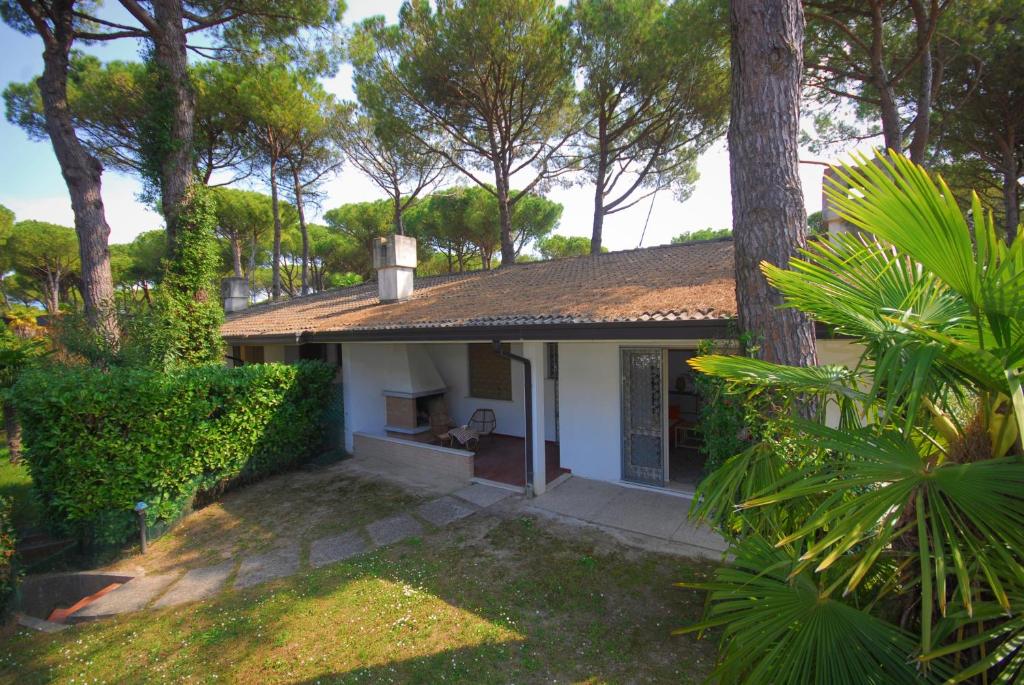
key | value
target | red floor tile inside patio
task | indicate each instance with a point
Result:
(502, 458)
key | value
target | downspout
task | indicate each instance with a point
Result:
(528, 386)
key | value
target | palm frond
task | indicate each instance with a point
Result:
(833, 379)
(781, 627)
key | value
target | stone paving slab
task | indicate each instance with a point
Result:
(444, 510)
(482, 495)
(635, 511)
(199, 583)
(393, 529)
(132, 596)
(41, 625)
(260, 568)
(643, 511)
(336, 548)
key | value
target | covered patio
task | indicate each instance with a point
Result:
(501, 458)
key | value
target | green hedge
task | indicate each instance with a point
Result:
(97, 442)
(8, 574)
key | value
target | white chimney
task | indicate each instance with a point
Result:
(394, 258)
(234, 293)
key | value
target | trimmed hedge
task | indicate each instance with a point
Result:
(97, 442)
(8, 574)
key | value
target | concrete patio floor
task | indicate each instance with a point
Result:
(638, 516)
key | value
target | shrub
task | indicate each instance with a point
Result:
(8, 575)
(723, 416)
(97, 441)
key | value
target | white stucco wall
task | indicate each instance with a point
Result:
(273, 353)
(368, 370)
(590, 411)
(589, 394)
(452, 363)
(837, 352)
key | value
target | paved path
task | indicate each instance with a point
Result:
(172, 589)
(638, 516)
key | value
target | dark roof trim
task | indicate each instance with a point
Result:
(696, 329)
(662, 330)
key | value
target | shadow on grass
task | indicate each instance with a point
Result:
(16, 486)
(488, 600)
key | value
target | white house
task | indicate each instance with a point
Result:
(581, 362)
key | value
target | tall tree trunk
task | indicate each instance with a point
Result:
(275, 267)
(892, 129)
(922, 121)
(508, 248)
(52, 292)
(236, 255)
(304, 289)
(250, 271)
(12, 427)
(598, 227)
(1011, 190)
(397, 221)
(769, 221)
(81, 171)
(176, 168)
(599, 180)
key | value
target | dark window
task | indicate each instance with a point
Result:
(490, 375)
(552, 361)
(252, 354)
(313, 351)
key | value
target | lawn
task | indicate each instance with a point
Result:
(16, 486)
(497, 597)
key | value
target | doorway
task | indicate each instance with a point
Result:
(661, 439)
(683, 405)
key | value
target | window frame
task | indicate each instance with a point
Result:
(476, 392)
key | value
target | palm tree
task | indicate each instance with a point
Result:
(886, 548)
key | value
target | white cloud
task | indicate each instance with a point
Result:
(126, 215)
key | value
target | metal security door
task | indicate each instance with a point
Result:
(643, 432)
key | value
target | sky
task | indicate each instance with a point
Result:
(31, 184)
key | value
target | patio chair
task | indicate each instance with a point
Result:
(483, 421)
(465, 436)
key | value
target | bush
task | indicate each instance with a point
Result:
(97, 441)
(723, 416)
(8, 575)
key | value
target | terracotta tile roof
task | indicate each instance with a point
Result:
(665, 283)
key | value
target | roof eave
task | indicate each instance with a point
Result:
(687, 329)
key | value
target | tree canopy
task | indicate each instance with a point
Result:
(44, 257)
(487, 85)
(562, 246)
(654, 96)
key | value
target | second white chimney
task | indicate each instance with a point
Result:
(394, 258)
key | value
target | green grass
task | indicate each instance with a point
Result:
(487, 600)
(16, 485)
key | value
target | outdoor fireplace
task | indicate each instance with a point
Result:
(405, 414)
(413, 392)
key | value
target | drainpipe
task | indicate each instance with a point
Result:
(528, 383)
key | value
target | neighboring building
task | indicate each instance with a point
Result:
(606, 338)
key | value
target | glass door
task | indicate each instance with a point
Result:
(643, 430)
